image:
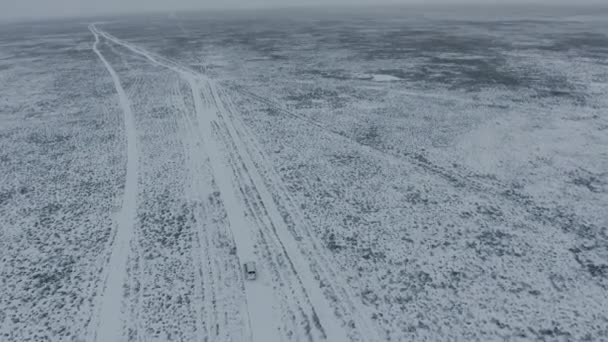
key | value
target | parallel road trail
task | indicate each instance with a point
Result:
(107, 322)
(257, 226)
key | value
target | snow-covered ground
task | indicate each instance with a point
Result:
(395, 176)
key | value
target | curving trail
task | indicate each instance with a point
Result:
(287, 277)
(259, 294)
(107, 322)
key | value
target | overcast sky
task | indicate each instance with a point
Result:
(16, 9)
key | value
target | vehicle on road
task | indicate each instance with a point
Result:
(250, 271)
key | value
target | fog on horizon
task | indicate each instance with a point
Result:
(17, 9)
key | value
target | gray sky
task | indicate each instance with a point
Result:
(17, 9)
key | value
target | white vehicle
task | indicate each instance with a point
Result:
(250, 271)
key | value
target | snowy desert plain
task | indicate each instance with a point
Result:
(398, 174)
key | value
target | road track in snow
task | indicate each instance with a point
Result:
(460, 178)
(107, 321)
(348, 304)
(259, 293)
(277, 237)
(203, 253)
(242, 178)
(248, 185)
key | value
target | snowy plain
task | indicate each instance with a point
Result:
(406, 174)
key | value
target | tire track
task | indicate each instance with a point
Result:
(219, 309)
(547, 215)
(108, 321)
(135, 284)
(299, 266)
(349, 307)
(457, 179)
(204, 274)
(289, 291)
(164, 63)
(259, 293)
(281, 235)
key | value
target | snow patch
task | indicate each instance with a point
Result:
(384, 78)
